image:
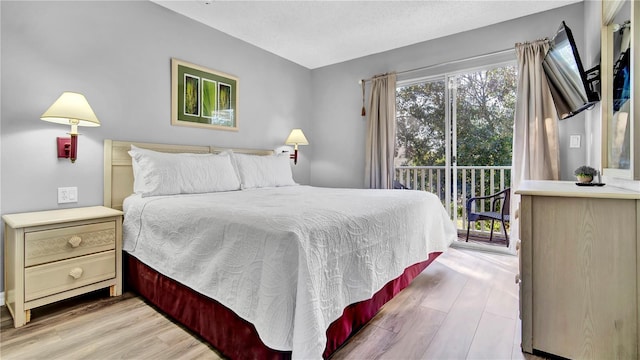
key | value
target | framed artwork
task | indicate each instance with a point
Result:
(203, 97)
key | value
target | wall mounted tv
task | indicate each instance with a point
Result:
(567, 79)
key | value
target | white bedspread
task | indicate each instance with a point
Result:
(287, 259)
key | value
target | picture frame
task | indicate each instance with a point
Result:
(201, 97)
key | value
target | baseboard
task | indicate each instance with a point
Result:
(2, 298)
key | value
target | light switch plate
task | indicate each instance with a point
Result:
(67, 195)
(574, 141)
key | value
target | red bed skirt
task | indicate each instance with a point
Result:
(235, 337)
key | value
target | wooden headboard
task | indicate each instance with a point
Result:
(118, 173)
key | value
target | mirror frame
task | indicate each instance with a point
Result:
(609, 11)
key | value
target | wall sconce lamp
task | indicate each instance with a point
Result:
(296, 137)
(70, 109)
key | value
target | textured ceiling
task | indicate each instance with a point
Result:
(319, 33)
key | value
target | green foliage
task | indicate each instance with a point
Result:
(191, 96)
(420, 127)
(208, 98)
(485, 103)
(585, 170)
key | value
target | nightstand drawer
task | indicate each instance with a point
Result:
(57, 244)
(69, 274)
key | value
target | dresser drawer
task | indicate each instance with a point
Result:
(52, 278)
(63, 243)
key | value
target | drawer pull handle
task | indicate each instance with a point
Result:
(517, 278)
(76, 273)
(75, 241)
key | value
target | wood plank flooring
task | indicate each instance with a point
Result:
(463, 306)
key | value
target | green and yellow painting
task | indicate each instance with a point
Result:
(209, 92)
(203, 97)
(191, 92)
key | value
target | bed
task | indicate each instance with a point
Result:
(265, 268)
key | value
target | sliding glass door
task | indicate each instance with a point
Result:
(422, 135)
(454, 136)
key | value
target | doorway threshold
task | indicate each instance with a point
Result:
(472, 245)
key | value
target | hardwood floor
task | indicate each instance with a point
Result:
(463, 306)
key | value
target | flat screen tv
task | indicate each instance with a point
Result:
(566, 76)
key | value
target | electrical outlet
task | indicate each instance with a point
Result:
(67, 195)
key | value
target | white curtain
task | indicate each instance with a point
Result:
(381, 133)
(535, 138)
(536, 154)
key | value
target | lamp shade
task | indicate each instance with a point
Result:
(296, 137)
(71, 109)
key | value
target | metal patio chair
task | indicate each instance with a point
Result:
(499, 211)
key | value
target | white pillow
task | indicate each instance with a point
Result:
(258, 171)
(158, 173)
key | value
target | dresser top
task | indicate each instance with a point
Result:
(570, 189)
(58, 216)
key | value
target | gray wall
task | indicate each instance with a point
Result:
(340, 131)
(118, 55)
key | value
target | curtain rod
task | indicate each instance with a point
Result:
(499, 52)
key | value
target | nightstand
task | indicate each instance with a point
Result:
(54, 255)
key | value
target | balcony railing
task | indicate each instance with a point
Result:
(466, 182)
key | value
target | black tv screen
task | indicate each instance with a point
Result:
(566, 76)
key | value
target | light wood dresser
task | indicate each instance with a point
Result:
(579, 283)
(57, 254)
